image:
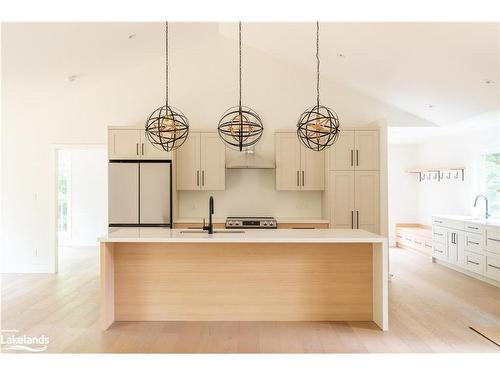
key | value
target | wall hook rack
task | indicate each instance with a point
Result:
(439, 174)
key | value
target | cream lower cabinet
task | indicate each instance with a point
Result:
(297, 168)
(132, 144)
(354, 200)
(201, 162)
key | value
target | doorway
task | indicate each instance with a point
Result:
(81, 205)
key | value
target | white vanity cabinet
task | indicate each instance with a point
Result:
(467, 246)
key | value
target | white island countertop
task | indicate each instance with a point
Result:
(242, 236)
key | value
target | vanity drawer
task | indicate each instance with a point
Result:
(419, 243)
(448, 223)
(439, 234)
(474, 262)
(474, 242)
(492, 267)
(474, 228)
(439, 250)
(492, 240)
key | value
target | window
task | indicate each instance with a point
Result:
(492, 181)
(64, 194)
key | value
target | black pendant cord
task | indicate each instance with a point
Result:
(317, 66)
(166, 66)
(239, 37)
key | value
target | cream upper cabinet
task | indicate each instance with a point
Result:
(312, 165)
(188, 163)
(341, 153)
(149, 151)
(213, 162)
(355, 150)
(341, 190)
(201, 163)
(297, 168)
(124, 143)
(366, 200)
(132, 143)
(287, 161)
(366, 144)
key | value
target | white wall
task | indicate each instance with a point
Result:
(89, 195)
(203, 80)
(454, 197)
(459, 145)
(403, 188)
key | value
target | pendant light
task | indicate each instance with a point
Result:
(167, 128)
(240, 127)
(318, 127)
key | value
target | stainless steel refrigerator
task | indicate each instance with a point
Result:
(140, 193)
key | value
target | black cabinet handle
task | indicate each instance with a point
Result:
(476, 228)
(494, 239)
(298, 179)
(142, 149)
(197, 178)
(438, 234)
(470, 261)
(352, 158)
(357, 157)
(439, 251)
(137, 148)
(352, 219)
(491, 265)
(202, 178)
(418, 243)
(357, 219)
(303, 178)
(472, 242)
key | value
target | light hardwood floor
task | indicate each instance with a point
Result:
(431, 308)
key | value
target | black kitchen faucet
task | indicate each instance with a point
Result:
(210, 226)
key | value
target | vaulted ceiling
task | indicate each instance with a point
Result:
(436, 71)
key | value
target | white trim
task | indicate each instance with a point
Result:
(27, 268)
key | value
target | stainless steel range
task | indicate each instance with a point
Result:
(249, 222)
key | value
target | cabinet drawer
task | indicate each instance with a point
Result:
(474, 228)
(492, 267)
(419, 243)
(474, 242)
(474, 262)
(448, 223)
(439, 234)
(492, 241)
(428, 245)
(439, 250)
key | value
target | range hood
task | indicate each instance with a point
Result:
(250, 160)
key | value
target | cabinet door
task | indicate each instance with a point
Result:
(124, 144)
(149, 151)
(366, 150)
(188, 164)
(287, 161)
(341, 153)
(212, 163)
(456, 247)
(341, 191)
(367, 200)
(312, 166)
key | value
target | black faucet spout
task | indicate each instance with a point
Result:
(210, 226)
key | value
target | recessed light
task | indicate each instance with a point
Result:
(131, 36)
(71, 78)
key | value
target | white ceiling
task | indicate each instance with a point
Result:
(407, 65)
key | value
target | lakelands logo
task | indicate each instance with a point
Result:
(10, 341)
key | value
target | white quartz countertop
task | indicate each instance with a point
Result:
(492, 221)
(242, 236)
(282, 220)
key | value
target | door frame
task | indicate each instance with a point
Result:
(53, 202)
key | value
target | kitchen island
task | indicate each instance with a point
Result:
(162, 274)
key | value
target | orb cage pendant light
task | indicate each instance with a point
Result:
(318, 127)
(240, 127)
(167, 128)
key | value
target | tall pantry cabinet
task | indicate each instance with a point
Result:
(353, 180)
